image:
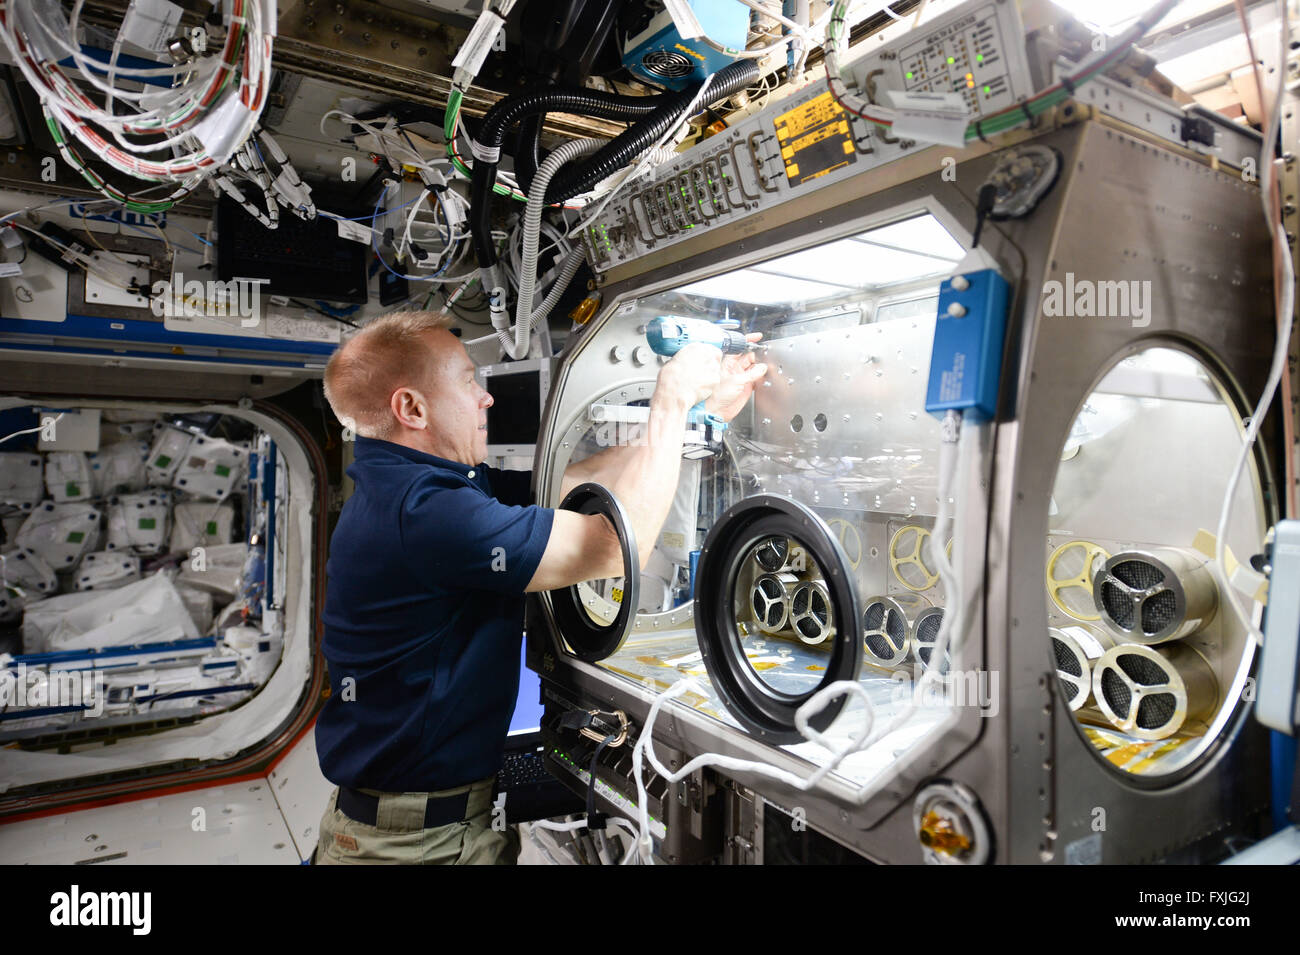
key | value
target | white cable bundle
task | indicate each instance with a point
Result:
(454, 210)
(262, 164)
(388, 138)
(175, 137)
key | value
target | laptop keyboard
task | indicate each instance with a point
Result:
(522, 769)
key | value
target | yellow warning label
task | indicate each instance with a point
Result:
(815, 139)
(815, 112)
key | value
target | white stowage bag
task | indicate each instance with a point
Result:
(210, 468)
(242, 637)
(105, 569)
(169, 447)
(114, 432)
(260, 664)
(140, 521)
(60, 533)
(22, 481)
(199, 604)
(257, 664)
(220, 570)
(24, 579)
(119, 468)
(147, 611)
(116, 537)
(200, 522)
(67, 476)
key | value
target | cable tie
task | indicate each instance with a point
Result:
(489, 154)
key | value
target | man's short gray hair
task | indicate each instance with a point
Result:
(389, 353)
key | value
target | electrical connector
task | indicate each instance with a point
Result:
(576, 719)
(482, 38)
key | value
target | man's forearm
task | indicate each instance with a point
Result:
(647, 479)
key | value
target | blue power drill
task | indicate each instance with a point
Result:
(669, 334)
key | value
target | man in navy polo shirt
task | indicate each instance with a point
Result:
(427, 572)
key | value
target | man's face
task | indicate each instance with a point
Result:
(457, 404)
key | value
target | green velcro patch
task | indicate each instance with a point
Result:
(76, 537)
(222, 470)
(162, 461)
(148, 523)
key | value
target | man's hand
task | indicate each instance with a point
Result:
(692, 375)
(740, 373)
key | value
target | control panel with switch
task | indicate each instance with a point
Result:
(966, 361)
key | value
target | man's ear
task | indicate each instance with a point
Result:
(409, 408)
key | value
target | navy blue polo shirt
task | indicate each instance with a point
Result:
(424, 613)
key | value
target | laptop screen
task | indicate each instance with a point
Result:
(527, 717)
(516, 407)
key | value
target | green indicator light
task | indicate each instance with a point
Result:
(910, 74)
(979, 57)
(988, 89)
(952, 59)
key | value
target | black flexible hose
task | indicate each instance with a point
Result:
(659, 113)
(512, 109)
(629, 144)
(528, 153)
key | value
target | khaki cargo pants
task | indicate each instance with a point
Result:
(397, 838)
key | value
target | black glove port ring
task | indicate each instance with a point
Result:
(764, 711)
(587, 639)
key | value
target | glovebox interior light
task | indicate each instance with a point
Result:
(903, 252)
